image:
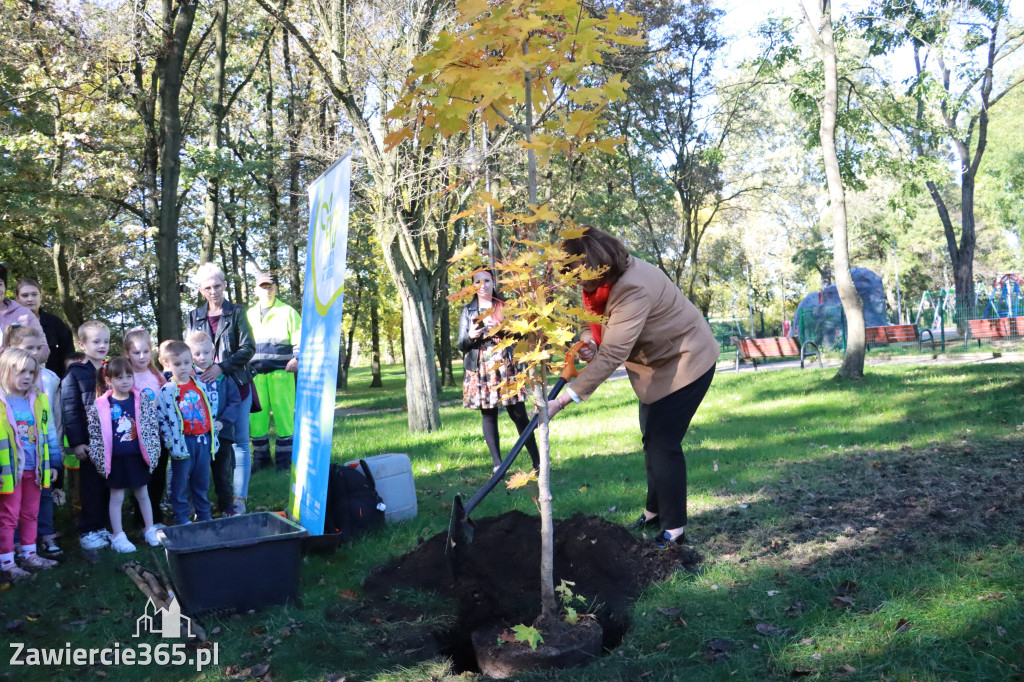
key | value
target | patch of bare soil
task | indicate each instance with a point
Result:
(497, 578)
(866, 501)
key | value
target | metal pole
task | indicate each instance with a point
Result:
(487, 186)
(750, 301)
(899, 301)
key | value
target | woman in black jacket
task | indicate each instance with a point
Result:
(233, 346)
(486, 368)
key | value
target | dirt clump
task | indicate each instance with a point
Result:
(496, 579)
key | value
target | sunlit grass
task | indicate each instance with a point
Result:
(762, 447)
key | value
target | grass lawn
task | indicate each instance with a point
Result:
(867, 531)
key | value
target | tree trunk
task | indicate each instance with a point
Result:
(375, 381)
(274, 212)
(217, 112)
(176, 31)
(416, 293)
(853, 306)
(294, 231)
(444, 354)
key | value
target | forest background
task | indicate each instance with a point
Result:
(138, 139)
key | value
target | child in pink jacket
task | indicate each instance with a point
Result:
(124, 445)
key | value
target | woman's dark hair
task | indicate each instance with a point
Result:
(111, 369)
(599, 250)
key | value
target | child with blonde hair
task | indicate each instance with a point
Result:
(139, 348)
(29, 450)
(34, 341)
(124, 440)
(77, 392)
(189, 431)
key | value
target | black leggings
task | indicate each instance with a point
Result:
(518, 413)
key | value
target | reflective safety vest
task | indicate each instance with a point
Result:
(11, 464)
(276, 330)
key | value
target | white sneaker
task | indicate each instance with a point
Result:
(121, 543)
(92, 540)
(151, 539)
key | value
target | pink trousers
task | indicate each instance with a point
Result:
(20, 506)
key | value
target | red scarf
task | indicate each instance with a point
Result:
(595, 302)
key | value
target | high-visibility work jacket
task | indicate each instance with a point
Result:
(277, 330)
(12, 465)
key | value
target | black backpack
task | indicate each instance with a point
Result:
(353, 505)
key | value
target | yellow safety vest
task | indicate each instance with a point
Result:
(9, 451)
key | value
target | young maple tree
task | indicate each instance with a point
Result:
(531, 69)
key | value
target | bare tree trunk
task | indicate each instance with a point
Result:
(176, 30)
(375, 381)
(294, 231)
(217, 112)
(853, 360)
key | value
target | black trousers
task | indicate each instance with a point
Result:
(222, 471)
(158, 483)
(663, 424)
(94, 496)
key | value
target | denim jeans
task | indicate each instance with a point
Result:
(190, 478)
(46, 512)
(243, 458)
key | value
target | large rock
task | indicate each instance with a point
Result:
(819, 316)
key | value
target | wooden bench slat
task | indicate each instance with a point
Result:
(998, 328)
(893, 333)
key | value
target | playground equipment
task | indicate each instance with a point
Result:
(1005, 300)
(944, 303)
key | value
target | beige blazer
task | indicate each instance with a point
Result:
(656, 331)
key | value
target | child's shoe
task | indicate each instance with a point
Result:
(15, 573)
(151, 539)
(48, 545)
(121, 543)
(92, 540)
(33, 560)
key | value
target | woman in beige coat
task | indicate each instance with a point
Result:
(669, 353)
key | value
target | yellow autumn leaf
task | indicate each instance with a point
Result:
(465, 251)
(521, 479)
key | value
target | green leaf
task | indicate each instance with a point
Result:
(528, 635)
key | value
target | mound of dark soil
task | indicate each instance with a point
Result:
(496, 579)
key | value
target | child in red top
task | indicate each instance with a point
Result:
(188, 433)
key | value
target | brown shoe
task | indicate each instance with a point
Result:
(33, 560)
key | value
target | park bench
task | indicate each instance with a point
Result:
(999, 328)
(752, 349)
(896, 333)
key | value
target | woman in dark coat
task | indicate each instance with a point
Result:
(233, 346)
(485, 368)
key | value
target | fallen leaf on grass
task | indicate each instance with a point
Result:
(802, 672)
(842, 602)
(847, 587)
(507, 636)
(720, 645)
(903, 625)
(1001, 630)
(662, 646)
(769, 630)
(772, 593)
(993, 595)
(681, 623)
(665, 611)
(522, 478)
(849, 668)
(795, 609)
(714, 462)
(348, 594)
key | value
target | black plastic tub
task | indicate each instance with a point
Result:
(238, 563)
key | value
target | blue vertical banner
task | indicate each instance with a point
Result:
(321, 339)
